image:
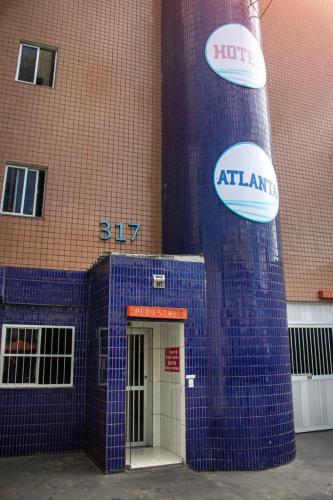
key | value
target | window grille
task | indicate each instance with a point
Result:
(37, 356)
(311, 350)
(103, 356)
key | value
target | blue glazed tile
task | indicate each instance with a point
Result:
(44, 420)
(247, 343)
(130, 283)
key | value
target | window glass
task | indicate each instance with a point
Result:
(30, 189)
(13, 190)
(45, 67)
(28, 64)
(19, 186)
(40, 193)
(103, 356)
(8, 202)
(20, 364)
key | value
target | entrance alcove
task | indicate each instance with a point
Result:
(155, 394)
(122, 299)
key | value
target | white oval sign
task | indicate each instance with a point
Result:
(245, 180)
(234, 53)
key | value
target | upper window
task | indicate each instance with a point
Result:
(23, 191)
(36, 65)
(36, 356)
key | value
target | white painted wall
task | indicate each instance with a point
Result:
(308, 313)
(172, 389)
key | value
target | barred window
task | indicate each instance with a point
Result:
(103, 356)
(36, 356)
(311, 350)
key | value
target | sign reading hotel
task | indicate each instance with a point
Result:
(245, 181)
(171, 360)
(234, 53)
(172, 313)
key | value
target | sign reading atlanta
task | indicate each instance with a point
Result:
(245, 181)
(234, 53)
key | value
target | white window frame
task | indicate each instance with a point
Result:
(21, 214)
(37, 355)
(37, 62)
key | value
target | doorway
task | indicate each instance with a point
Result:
(155, 394)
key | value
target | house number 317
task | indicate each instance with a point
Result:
(107, 230)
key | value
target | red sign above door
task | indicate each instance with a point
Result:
(157, 312)
(171, 359)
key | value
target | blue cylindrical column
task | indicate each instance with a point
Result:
(251, 417)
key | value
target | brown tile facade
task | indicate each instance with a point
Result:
(102, 116)
(298, 41)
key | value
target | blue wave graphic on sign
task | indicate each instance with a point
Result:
(250, 208)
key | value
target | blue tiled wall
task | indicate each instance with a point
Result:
(44, 420)
(91, 416)
(251, 416)
(96, 402)
(131, 284)
(45, 287)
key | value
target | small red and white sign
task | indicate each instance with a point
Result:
(173, 313)
(172, 359)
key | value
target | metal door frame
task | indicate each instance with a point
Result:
(146, 332)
